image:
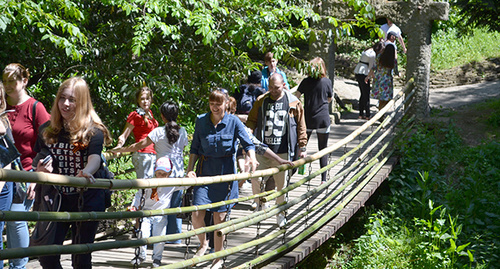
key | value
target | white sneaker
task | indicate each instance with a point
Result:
(156, 263)
(217, 264)
(265, 206)
(281, 220)
(137, 260)
(254, 205)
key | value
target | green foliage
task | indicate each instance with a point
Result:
(450, 50)
(180, 49)
(480, 13)
(492, 111)
(391, 242)
(464, 180)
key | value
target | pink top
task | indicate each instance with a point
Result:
(141, 130)
(25, 134)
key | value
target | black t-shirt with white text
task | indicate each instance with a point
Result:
(69, 158)
(275, 127)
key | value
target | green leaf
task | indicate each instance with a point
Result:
(471, 257)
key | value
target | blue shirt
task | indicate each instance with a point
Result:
(218, 144)
(216, 147)
(265, 78)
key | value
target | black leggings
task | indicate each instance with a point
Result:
(322, 143)
(364, 99)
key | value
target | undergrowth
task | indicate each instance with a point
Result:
(442, 209)
(450, 50)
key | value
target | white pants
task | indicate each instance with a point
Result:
(153, 226)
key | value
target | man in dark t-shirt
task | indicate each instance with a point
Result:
(277, 119)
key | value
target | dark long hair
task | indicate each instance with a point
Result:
(170, 111)
(378, 47)
(387, 56)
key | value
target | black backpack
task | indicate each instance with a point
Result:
(245, 97)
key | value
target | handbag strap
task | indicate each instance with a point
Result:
(33, 121)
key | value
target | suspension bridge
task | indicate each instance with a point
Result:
(360, 158)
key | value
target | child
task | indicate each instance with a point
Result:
(141, 122)
(168, 141)
(155, 199)
(271, 66)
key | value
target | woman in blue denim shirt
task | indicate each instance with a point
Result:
(213, 151)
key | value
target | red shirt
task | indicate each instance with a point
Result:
(25, 134)
(141, 131)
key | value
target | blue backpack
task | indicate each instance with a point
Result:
(245, 96)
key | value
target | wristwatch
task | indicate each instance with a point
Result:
(304, 149)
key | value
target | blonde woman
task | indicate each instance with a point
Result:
(74, 137)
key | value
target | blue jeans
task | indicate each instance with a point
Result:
(153, 226)
(144, 164)
(5, 202)
(175, 224)
(18, 234)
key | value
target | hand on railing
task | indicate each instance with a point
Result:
(87, 175)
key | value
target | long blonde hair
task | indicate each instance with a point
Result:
(81, 127)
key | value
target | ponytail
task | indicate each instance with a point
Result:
(172, 132)
(170, 111)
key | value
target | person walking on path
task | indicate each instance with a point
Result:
(390, 27)
(74, 139)
(383, 86)
(271, 68)
(246, 94)
(213, 150)
(169, 141)
(318, 93)
(26, 117)
(155, 199)
(277, 119)
(365, 64)
(141, 122)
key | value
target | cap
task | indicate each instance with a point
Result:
(255, 77)
(164, 164)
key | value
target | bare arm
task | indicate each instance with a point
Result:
(251, 161)
(123, 137)
(400, 38)
(271, 155)
(93, 164)
(370, 75)
(135, 147)
(193, 158)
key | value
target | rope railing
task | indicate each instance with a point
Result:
(372, 166)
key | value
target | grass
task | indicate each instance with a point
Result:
(450, 50)
(441, 210)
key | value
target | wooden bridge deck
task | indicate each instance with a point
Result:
(120, 258)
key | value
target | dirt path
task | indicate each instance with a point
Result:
(457, 96)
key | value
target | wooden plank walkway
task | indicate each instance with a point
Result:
(120, 258)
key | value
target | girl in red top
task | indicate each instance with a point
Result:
(141, 122)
